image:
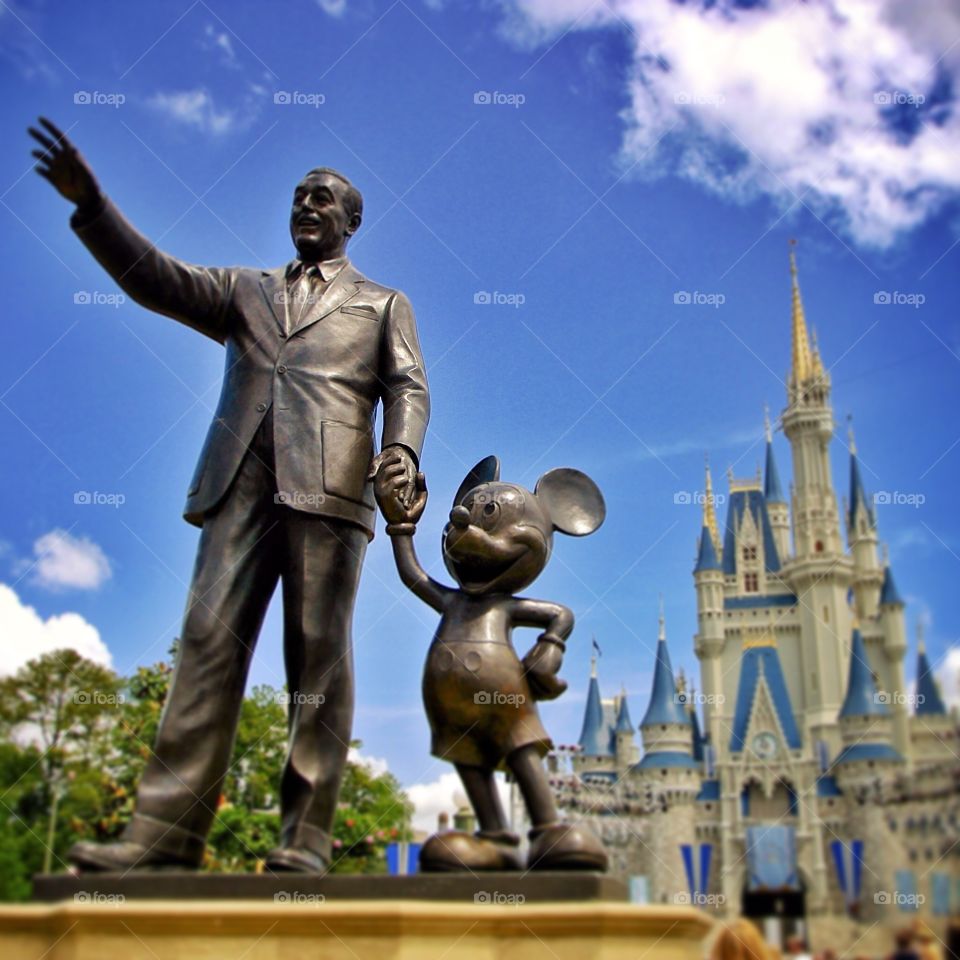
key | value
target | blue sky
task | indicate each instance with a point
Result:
(615, 159)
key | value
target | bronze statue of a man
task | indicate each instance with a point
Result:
(283, 491)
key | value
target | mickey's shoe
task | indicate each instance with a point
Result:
(122, 856)
(483, 851)
(566, 846)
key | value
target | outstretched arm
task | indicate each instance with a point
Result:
(389, 485)
(196, 296)
(412, 574)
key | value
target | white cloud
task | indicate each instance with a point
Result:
(195, 108)
(376, 765)
(782, 99)
(444, 795)
(62, 560)
(219, 40)
(948, 677)
(27, 635)
(333, 8)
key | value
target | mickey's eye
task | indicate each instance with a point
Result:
(490, 514)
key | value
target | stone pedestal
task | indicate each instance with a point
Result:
(95, 927)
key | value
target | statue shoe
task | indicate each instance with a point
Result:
(122, 856)
(296, 860)
(453, 852)
(566, 846)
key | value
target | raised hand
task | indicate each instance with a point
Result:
(62, 164)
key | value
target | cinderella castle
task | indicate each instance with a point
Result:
(805, 784)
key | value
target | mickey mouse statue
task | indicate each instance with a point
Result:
(479, 696)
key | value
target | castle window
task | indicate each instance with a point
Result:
(819, 546)
(751, 583)
(749, 553)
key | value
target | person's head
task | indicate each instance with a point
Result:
(326, 212)
(922, 933)
(740, 940)
(903, 938)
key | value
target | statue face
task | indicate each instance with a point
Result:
(319, 223)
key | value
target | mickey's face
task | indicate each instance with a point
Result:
(498, 539)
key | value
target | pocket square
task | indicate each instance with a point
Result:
(365, 310)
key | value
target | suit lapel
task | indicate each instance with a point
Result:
(345, 285)
(273, 286)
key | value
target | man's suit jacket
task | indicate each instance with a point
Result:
(357, 345)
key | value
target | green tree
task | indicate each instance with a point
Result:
(67, 705)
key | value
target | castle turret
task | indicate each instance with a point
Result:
(596, 744)
(862, 538)
(709, 641)
(932, 729)
(893, 625)
(671, 775)
(625, 745)
(866, 723)
(667, 736)
(819, 571)
(776, 502)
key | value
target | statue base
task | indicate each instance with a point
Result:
(481, 888)
(91, 923)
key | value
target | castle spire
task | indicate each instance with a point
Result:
(803, 364)
(861, 699)
(772, 491)
(858, 495)
(929, 700)
(594, 736)
(665, 705)
(710, 508)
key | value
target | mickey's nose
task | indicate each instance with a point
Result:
(460, 517)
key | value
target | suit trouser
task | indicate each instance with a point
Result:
(246, 545)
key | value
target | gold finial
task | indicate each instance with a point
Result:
(886, 554)
(767, 431)
(662, 630)
(681, 682)
(709, 507)
(730, 474)
(803, 365)
(851, 441)
(593, 657)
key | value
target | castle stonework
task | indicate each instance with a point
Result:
(821, 794)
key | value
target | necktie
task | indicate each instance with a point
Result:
(304, 292)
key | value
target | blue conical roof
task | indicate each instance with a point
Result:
(665, 705)
(772, 491)
(623, 717)
(594, 737)
(889, 594)
(707, 557)
(861, 699)
(858, 496)
(929, 701)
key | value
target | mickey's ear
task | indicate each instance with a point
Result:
(572, 500)
(486, 471)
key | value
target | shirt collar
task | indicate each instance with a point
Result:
(328, 268)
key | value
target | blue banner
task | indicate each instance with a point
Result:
(848, 862)
(772, 858)
(698, 885)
